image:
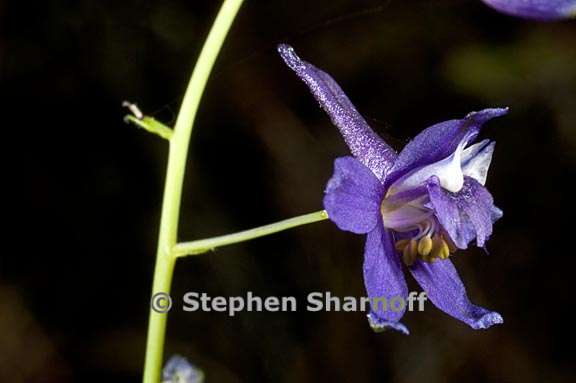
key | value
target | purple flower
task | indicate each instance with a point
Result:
(545, 10)
(416, 207)
(179, 370)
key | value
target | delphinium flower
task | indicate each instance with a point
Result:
(417, 207)
(179, 370)
(546, 10)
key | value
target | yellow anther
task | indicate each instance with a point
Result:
(401, 244)
(436, 246)
(451, 246)
(445, 251)
(410, 252)
(440, 249)
(425, 245)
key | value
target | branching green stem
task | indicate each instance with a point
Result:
(179, 142)
(179, 138)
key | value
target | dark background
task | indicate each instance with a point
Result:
(84, 189)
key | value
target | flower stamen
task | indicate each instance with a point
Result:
(427, 248)
(410, 252)
(425, 245)
(439, 249)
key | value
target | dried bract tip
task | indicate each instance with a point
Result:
(133, 108)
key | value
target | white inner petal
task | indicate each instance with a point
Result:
(448, 171)
(476, 160)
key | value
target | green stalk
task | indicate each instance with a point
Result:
(204, 245)
(179, 142)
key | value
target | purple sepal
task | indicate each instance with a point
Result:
(544, 10)
(363, 142)
(352, 197)
(383, 277)
(443, 286)
(379, 325)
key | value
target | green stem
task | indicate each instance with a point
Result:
(205, 245)
(179, 142)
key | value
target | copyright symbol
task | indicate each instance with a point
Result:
(161, 303)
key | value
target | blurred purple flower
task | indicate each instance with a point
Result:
(179, 370)
(416, 207)
(545, 10)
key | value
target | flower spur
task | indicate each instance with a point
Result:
(417, 207)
